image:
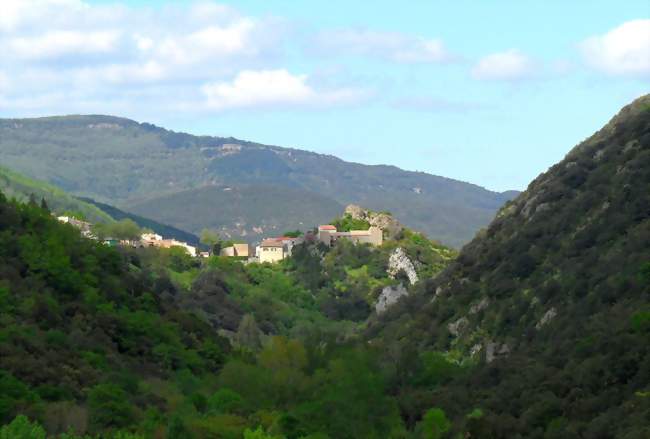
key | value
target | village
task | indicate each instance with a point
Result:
(269, 250)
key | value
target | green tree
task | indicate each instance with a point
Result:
(109, 407)
(645, 272)
(209, 237)
(434, 424)
(226, 401)
(22, 428)
(123, 229)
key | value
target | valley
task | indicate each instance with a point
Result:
(537, 328)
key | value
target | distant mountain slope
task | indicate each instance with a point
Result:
(161, 229)
(554, 296)
(17, 186)
(252, 210)
(125, 163)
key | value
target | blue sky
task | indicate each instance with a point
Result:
(487, 92)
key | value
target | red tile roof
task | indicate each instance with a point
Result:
(327, 227)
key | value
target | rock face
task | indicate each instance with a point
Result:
(494, 350)
(384, 221)
(389, 296)
(457, 327)
(480, 306)
(399, 261)
(547, 317)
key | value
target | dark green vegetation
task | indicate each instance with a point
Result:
(563, 276)
(137, 166)
(102, 340)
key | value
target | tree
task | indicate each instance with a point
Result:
(123, 229)
(434, 424)
(226, 401)
(248, 333)
(109, 407)
(293, 233)
(22, 428)
(645, 272)
(210, 238)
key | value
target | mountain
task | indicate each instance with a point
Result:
(138, 166)
(157, 227)
(551, 303)
(15, 185)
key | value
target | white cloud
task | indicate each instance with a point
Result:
(17, 13)
(60, 43)
(511, 65)
(624, 50)
(277, 88)
(391, 46)
(235, 39)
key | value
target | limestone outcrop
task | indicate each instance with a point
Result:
(399, 261)
(389, 296)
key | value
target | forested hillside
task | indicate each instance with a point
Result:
(552, 300)
(153, 343)
(137, 166)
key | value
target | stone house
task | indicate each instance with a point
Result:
(328, 235)
(271, 250)
(236, 250)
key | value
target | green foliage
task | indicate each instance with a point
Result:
(123, 229)
(434, 424)
(641, 321)
(109, 407)
(22, 428)
(645, 272)
(209, 237)
(226, 401)
(347, 223)
(258, 433)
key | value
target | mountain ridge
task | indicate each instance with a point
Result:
(125, 163)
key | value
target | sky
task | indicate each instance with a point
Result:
(487, 92)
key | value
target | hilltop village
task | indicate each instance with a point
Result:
(269, 250)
